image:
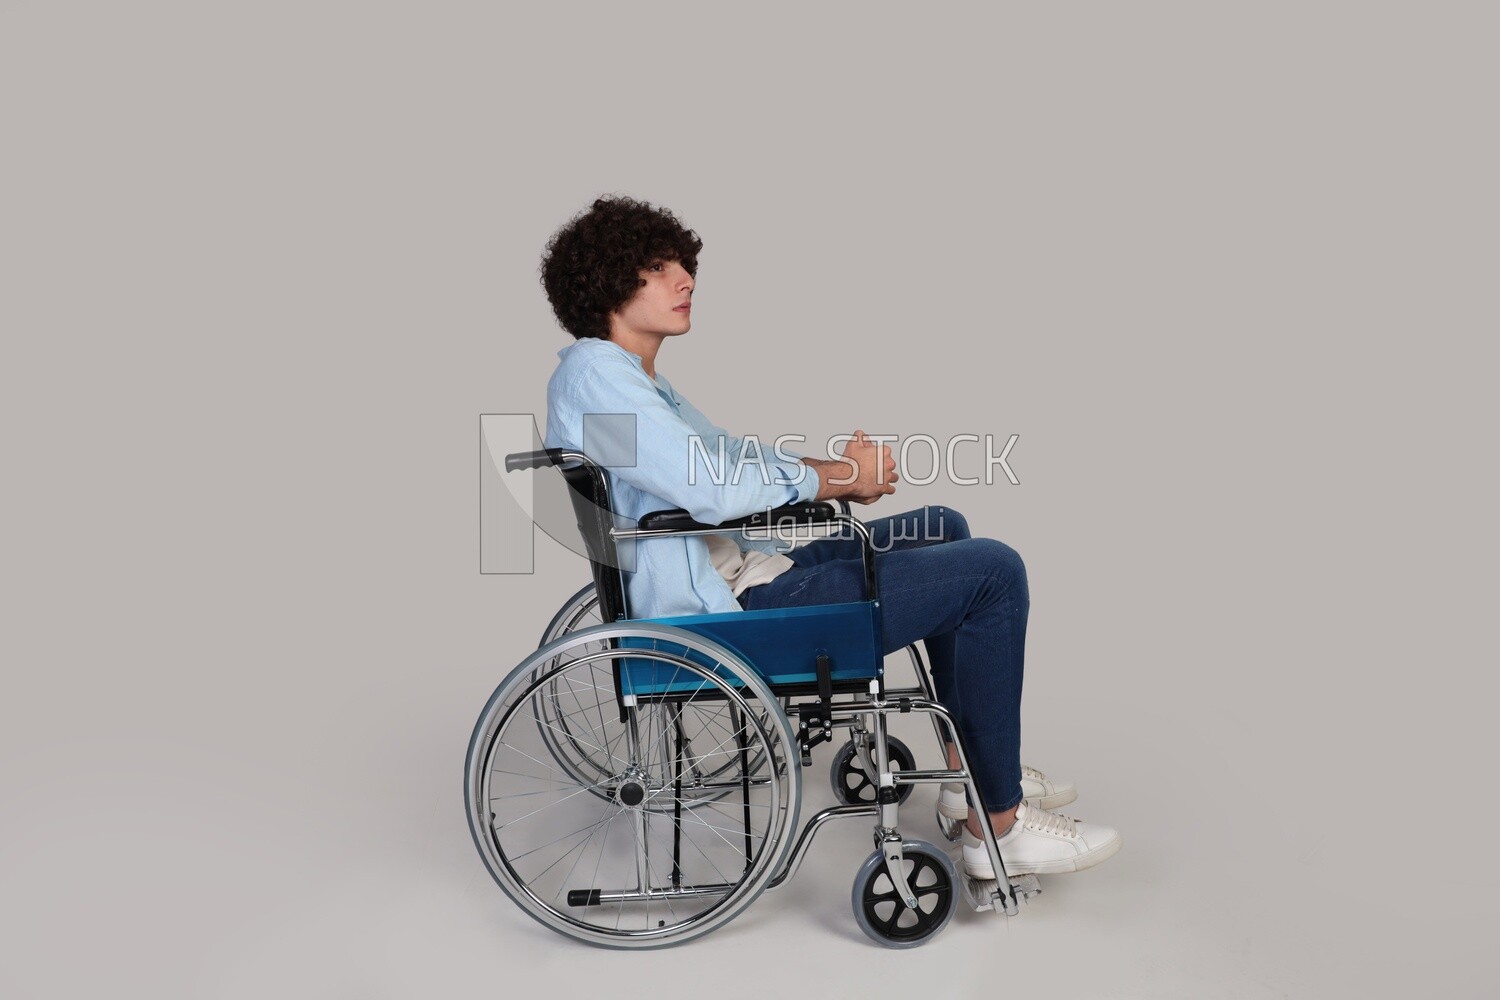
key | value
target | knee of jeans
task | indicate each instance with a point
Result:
(946, 523)
(1006, 563)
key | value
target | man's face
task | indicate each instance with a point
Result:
(662, 307)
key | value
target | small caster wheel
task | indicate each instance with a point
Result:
(881, 912)
(852, 786)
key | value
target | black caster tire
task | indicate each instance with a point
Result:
(885, 917)
(852, 786)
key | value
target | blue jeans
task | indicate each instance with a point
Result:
(965, 597)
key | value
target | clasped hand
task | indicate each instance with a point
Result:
(874, 473)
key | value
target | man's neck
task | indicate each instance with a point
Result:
(642, 345)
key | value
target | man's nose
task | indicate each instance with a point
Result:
(685, 279)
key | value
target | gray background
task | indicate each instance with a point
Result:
(1227, 271)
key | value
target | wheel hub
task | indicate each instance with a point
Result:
(632, 793)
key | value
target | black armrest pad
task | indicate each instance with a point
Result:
(808, 512)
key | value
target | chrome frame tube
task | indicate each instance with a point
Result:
(867, 541)
(879, 708)
(810, 830)
(1004, 892)
(924, 680)
(926, 777)
(636, 896)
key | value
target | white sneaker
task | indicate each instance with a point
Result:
(1041, 843)
(1038, 789)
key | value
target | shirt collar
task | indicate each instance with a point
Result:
(600, 344)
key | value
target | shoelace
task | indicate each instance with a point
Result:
(1032, 773)
(1045, 821)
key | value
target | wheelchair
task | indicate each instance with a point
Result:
(636, 783)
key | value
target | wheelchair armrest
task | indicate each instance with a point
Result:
(808, 512)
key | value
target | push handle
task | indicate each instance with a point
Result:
(533, 459)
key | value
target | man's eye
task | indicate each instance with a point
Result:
(654, 267)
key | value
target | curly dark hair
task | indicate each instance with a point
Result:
(592, 265)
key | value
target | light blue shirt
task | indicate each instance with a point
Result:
(662, 453)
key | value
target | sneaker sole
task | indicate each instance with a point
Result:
(1078, 864)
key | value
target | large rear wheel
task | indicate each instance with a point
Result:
(633, 854)
(567, 713)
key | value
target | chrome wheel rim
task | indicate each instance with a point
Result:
(662, 866)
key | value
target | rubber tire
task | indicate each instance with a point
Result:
(930, 924)
(899, 752)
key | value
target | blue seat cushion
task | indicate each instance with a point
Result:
(782, 644)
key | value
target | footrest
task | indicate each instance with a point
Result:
(983, 894)
(1025, 886)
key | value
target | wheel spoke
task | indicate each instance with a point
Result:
(554, 843)
(726, 826)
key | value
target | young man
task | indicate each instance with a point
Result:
(620, 277)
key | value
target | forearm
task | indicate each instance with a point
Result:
(660, 452)
(836, 479)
